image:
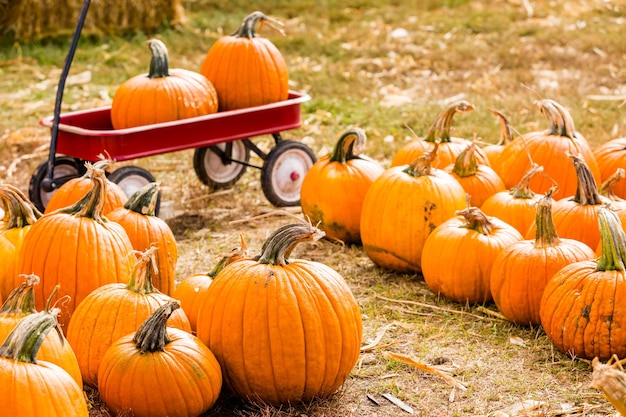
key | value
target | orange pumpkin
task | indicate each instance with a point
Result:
(548, 149)
(154, 360)
(459, 253)
(76, 247)
(333, 189)
(402, 207)
(520, 272)
(162, 95)
(610, 156)
(31, 387)
(245, 68)
(449, 146)
(480, 181)
(581, 307)
(493, 151)
(616, 202)
(283, 330)
(114, 310)
(145, 229)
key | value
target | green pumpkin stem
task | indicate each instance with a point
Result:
(613, 240)
(545, 233)
(522, 189)
(92, 203)
(476, 220)
(606, 189)
(506, 135)
(19, 211)
(145, 267)
(22, 299)
(159, 62)
(246, 30)
(144, 200)
(23, 342)
(466, 164)
(587, 190)
(440, 130)
(228, 258)
(152, 334)
(279, 245)
(349, 146)
(423, 163)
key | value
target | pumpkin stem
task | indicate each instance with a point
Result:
(587, 190)
(22, 299)
(606, 189)
(152, 334)
(24, 341)
(159, 63)
(476, 220)
(246, 30)
(466, 164)
(145, 266)
(613, 240)
(349, 146)
(545, 233)
(423, 163)
(440, 130)
(522, 189)
(92, 203)
(506, 135)
(561, 122)
(228, 258)
(278, 246)
(19, 212)
(144, 200)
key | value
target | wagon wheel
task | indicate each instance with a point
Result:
(221, 166)
(131, 179)
(283, 172)
(65, 169)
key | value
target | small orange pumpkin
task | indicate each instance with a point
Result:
(162, 95)
(610, 156)
(494, 150)
(246, 69)
(334, 188)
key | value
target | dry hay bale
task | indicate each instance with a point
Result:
(37, 19)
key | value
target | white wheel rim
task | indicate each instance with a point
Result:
(132, 183)
(289, 171)
(218, 171)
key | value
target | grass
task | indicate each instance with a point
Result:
(494, 54)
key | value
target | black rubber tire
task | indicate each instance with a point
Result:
(283, 172)
(215, 172)
(65, 169)
(131, 179)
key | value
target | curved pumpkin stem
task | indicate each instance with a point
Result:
(545, 234)
(141, 278)
(561, 122)
(23, 342)
(228, 258)
(423, 163)
(606, 189)
(587, 190)
(613, 240)
(440, 129)
(522, 189)
(279, 245)
(476, 220)
(18, 210)
(152, 334)
(246, 30)
(144, 200)
(92, 203)
(466, 163)
(349, 146)
(506, 135)
(22, 299)
(159, 63)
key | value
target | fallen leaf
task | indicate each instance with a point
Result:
(398, 402)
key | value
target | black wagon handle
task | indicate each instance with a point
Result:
(47, 183)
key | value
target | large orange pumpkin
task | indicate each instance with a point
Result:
(439, 132)
(284, 330)
(179, 373)
(402, 207)
(520, 272)
(610, 156)
(145, 229)
(581, 308)
(245, 68)
(459, 253)
(334, 188)
(162, 95)
(32, 387)
(548, 149)
(78, 248)
(114, 310)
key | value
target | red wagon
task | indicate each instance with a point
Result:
(222, 143)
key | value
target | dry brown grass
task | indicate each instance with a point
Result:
(496, 54)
